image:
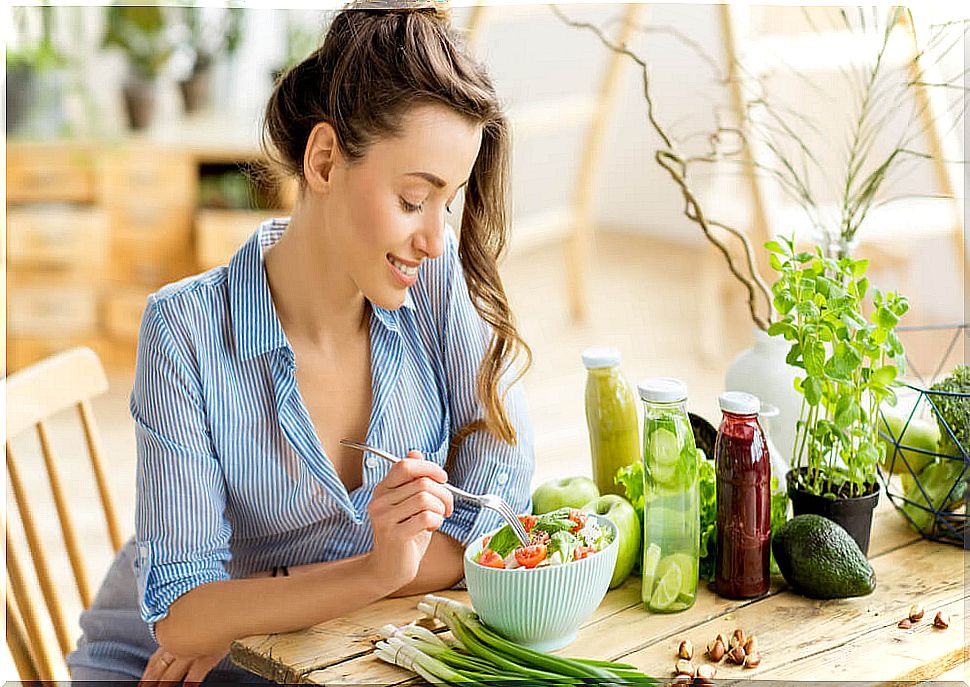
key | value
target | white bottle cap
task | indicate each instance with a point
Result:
(601, 356)
(739, 403)
(662, 390)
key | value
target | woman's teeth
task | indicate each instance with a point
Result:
(405, 269)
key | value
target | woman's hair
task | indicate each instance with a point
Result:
(373, 66)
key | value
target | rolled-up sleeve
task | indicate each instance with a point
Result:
(182, 535)
(484, 463)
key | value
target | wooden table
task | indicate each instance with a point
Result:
(800, 639)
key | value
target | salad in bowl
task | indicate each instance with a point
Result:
(555, 538)
(572, 555)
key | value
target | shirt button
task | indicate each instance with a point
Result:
(371, 462)
(502, 478)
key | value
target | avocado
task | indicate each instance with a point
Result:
(821, 560)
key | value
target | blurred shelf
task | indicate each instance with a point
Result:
(94, 227)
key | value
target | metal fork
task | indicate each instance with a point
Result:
(489, 501)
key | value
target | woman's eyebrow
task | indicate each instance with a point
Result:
(435, 181)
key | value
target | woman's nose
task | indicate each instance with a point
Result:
(431, 239)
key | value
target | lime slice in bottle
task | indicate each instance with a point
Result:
(667, 590)
(651, 557)
(688, 573)
(663, 447)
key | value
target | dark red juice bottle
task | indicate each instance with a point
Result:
(742, 567)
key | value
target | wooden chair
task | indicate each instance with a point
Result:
(60, 382)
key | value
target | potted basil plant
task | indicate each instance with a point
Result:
(850, 363)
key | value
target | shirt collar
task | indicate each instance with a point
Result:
(255, 325)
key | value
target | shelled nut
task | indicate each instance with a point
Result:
(686, 650)
(716, 650)
(751, 646)
(736, 655)
(706, 671)
(915, 613)
(739, 636)
(685, 667)
(942, 620)
(904, 624)
(752, 660)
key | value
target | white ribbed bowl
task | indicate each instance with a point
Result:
(541, 608)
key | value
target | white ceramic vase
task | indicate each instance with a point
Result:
(761, 370)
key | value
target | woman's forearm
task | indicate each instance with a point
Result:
(208, 618)
(440, 568)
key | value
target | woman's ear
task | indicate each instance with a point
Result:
(320, 156)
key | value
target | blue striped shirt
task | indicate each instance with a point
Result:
(231, 476)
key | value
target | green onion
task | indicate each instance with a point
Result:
(476, 638)
(477, 655)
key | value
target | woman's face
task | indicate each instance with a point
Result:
(389, 208)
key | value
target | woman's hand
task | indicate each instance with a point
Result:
(164, 666)
(408, 505)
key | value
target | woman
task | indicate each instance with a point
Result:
(360, 316)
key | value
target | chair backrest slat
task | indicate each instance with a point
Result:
(56, 383)
(18, 641)
(18, 587)
(64, 516)
(66, 381)
(94, 451)
(41, 568)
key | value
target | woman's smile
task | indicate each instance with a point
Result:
(405, 272)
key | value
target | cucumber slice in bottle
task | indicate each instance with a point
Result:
(663, 447)
(651, 558)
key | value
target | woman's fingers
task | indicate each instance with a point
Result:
(413, 505)
(422, 484)
(157, 664)
(398, 505)
(201, 667)
(176, 670)
(407, 470)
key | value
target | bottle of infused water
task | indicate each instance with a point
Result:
(611, 415)
(671, 509)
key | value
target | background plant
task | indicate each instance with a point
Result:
(209, 32)
(851, 363)
(142, 32)
(40, 54)
(859, 167)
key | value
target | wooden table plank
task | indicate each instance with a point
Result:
(804, 638)
(906, 656)
(318, 654)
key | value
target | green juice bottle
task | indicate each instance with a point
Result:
(611, 415)
(671, 498)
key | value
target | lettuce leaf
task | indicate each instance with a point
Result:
(504, 542)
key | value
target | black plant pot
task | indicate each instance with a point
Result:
(195, 91)
(140, 103)
(21, 95)
(853, 514)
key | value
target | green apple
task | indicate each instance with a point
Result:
(624, 516)
(570, 492)
(920, 433)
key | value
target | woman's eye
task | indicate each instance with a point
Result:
(411, 207)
